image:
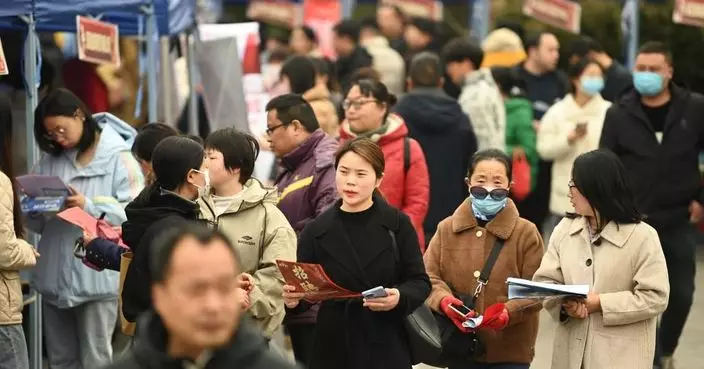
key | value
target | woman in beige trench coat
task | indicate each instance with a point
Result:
(606, 245)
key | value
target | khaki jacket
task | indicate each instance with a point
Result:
(460, 247)
(325, 112)
(261, 234)
(15, 254)
(626, 267)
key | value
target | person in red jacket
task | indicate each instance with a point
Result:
(406, 185)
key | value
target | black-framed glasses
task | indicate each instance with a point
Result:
(481, 193)
(571, 184)
(271, 130)
(356, 104)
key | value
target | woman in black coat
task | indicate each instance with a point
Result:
(354, 243)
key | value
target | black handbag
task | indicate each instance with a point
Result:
(433, 337)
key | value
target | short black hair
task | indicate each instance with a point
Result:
(656, 47)
(326, 67)
(490, 154)
(460, 49)
(279, 54)
(148, 136)
(348, 28)
(165, 244)
(369, 23)
(309, 33)
(426, 70)
(509, 81)
(300, 72)
(290, 107)
(239, 150)
(63, 103)
(583, 45)
(533, 40)
(425, 25)
(173, 158)
(195, 138)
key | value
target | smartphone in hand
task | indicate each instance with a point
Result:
(461, 309)
(374, 293)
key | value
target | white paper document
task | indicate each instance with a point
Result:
(473, 322)
(524, 289)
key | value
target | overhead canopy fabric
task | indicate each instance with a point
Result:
(173, 16)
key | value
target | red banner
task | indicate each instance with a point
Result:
(283, 12)
(431, 9)
(98, 42)
(3, 62)
(689, 12)
(321, 16)
(564, 14)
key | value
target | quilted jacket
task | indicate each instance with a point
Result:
(15, 254)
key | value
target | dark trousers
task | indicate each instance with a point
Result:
(489, 366)
(302, 336)
(679, 246)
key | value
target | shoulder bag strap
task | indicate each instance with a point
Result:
(483, 278)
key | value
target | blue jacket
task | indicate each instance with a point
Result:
(109, 182)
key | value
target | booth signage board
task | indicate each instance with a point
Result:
(563, 14)
(282, 12)
(689, 12)
(98, 42)
(3, 63)
(322, 16)
(431, 9)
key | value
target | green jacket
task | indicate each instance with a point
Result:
(261, 234)
(520, 132)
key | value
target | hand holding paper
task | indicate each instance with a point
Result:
(93, 227)
(76, 199)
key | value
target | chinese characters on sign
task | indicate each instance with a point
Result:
(312, 280)
(98, 42)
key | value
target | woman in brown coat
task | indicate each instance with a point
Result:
(606, 245)
(459, 251)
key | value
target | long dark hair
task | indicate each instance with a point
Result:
(6, 159)
(601, 178)
(63, 103)
(300, 72)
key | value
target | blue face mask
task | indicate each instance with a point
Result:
(487, 208)
(648, 83)
(592, 85)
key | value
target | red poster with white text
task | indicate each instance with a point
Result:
(321, 16)
(312, 280)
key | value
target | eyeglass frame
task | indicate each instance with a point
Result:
(357, 104)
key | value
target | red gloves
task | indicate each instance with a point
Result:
(495, 317)
(456, 318)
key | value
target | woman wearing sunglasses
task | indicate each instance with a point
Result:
(456, 257)
(606, 245)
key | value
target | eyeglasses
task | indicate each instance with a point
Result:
(347, 104)
(271, 130)
(571, 184)
(481, 193)
(52, 135)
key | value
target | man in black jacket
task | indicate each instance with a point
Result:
(350, 55)
(197, 318)
(657, 130)
(444, 132)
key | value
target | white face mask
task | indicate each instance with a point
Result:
(203, 190)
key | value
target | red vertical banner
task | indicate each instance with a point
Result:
(322, 16)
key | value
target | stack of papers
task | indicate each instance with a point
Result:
(524, 289)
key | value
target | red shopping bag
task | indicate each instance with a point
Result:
(521, 178)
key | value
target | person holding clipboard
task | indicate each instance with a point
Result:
(363, 244)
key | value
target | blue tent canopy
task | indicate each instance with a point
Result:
(172, 16)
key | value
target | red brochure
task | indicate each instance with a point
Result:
(313, 281)
(95, 227)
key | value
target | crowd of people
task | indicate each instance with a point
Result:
(398, 166)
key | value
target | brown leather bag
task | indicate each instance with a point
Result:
(127, 327)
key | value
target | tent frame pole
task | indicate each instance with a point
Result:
(193, 127)
(152, 60)
(30, 76)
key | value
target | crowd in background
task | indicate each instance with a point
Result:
(399, 165)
